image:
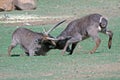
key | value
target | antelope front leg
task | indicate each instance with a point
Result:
(64, 50)
(73, 41)
(110, 34)
(10, 49)
(97, 41)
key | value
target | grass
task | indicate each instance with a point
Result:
(102, 65)
(71, 7)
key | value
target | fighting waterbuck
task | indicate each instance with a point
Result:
(33, 43)
(83, 28)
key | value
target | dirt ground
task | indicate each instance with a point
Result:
(28, 21)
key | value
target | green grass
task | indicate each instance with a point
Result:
(102, 65)
(70, 7)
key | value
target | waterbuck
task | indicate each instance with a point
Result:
(83, 28)
(33, 43)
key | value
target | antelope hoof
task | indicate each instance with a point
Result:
(91, 52)
(109, 46)
(63, 52)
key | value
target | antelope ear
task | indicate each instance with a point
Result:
(38, 41)
(103, 23)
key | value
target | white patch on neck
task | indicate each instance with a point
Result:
(99, 28)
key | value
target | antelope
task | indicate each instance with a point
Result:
(83, 28)
(33, 43)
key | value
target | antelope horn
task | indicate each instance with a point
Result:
(54, 27)
(53, 39)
